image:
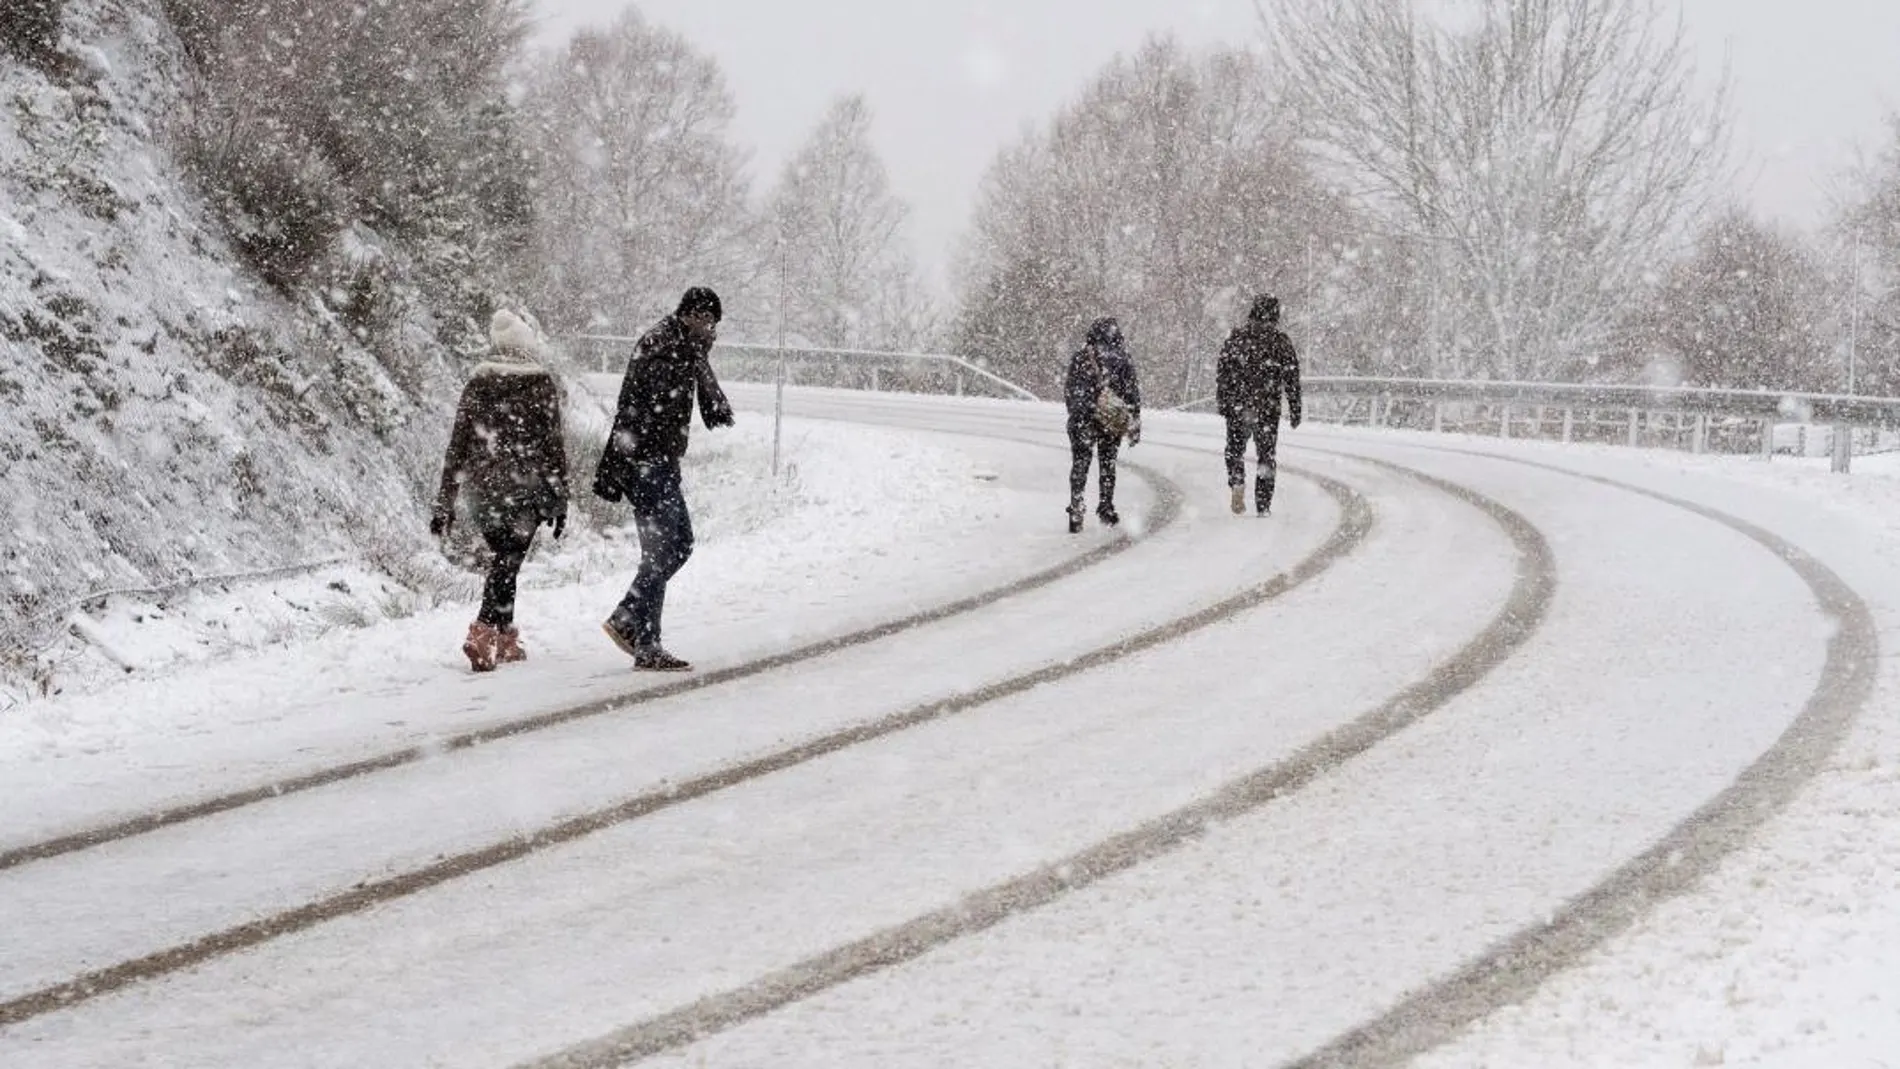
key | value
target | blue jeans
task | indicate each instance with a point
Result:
(666, 541)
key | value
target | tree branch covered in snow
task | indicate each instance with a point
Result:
(639, 191)
(837, 235)
(1166, 195)
(1543, 152)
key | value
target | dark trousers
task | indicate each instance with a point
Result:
(508, 542)
(666, 541)
(1087, 442)
(1265, 434)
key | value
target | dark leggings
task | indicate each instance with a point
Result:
(1087, 443)
(509, 544)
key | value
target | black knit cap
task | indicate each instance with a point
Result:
(1266, 309)
(700, 299)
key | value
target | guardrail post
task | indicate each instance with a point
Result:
(1373, 420)
(875, 388)
(1699, 439)
(959, 385)
(1768, 439)
(1504, 421)
(1843, 450)
(1438, 417)
(1636, 428)
(1570, 424)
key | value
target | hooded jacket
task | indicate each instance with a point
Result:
(506, 461)
(1258, 369)
(655, 408)
(1103, 361)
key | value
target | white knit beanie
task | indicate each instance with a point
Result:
(510, 331)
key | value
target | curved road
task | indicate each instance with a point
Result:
(1248, 793)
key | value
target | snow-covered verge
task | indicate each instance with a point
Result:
(863, 526)
(1787, 955)
(164, 414)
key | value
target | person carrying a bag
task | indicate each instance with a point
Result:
(1104, 402)
(641, 464)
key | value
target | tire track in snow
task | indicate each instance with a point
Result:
(1355, 524)
(1513, 969)
(1169, 502)
(1524, 611)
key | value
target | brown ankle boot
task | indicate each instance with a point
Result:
(479, 646)
(508, 648)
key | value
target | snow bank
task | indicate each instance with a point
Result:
(864, 525)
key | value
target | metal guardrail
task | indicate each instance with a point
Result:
(1846, 410)
(1713, 411)
(875, 368)
(1701, 416)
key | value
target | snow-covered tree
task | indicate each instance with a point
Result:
(1867, 247)
(1748, 309)
(640, 194)
(1542, 155)
(1169, 193)
(30, 28)
(836, 232)
(317, 116)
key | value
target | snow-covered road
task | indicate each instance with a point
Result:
(1229, 793)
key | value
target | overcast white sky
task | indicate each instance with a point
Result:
(951, 82)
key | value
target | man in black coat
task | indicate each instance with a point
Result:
(1103, 395)
(1258, 369)
(641, 463)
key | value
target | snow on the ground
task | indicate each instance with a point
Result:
(863, 525)
(1787, 956)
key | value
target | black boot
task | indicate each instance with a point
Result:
(1107, 514)
(1075, 517)
(1263, 497)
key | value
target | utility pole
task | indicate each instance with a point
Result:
(778, 401)
(1853, 322)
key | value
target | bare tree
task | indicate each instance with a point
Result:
(1541, 153)
(1165, 195)
(640, 192)
(837, 232)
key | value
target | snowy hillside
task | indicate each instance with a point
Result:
(163, 413)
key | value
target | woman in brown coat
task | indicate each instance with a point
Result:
(507, 469)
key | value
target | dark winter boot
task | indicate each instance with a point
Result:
(1263, 497)
(479, 647)
(655, 659)
(508, 648)
(1075, 517)
(1107, 514)
(620, 636)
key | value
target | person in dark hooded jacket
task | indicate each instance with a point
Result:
(1103, 395)
(1258, 370)
(641, 463)
(507, 466)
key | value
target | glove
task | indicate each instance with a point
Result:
(1134, 432)
(719, 415)
(560, 523)
(439, 524)
(1295, 420)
